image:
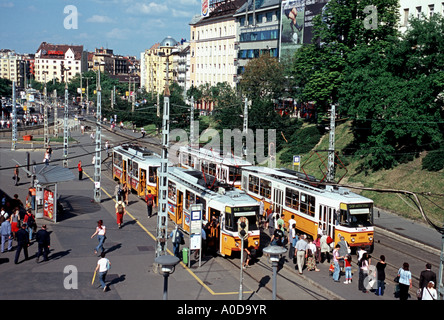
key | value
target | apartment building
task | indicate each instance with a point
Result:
(257, 32)
(212, 45)
(417, 9)
(50, 59)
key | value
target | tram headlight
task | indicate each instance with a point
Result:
(352, 240)
(370, 238)
(256, 243)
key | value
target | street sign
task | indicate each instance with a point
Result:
(296, 160)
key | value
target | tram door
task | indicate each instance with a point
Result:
(179, 213)
(142, 187)
(278, 200)
(124, 168)
(326, 219)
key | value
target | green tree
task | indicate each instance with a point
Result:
(318, 68)
(263, 78)
(395, 94)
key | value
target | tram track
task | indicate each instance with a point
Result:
(418, 252)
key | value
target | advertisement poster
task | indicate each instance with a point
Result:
(205, 8)
(48, 204)
(292, 26)
(297, 23)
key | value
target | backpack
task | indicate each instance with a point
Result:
(149, 200)
(30, 222)
(120, 208)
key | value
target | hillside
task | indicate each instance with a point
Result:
(408, 176)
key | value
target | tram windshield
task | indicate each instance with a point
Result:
(232, 214)
(357, 215)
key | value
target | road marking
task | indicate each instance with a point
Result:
(181, 263)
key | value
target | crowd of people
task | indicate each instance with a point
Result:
(307, 254)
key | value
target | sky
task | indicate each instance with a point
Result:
(129, 27)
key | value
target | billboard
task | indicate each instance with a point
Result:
(296, 23)
(205, 8)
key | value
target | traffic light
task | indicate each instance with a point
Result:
(242, 228)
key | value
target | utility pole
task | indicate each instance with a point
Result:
(245, 128)
(65, 121)
(45, 117)
(162, 215)
(192, 123)
(331, 148)
(56, 110)
(14, 119)
(98, 157)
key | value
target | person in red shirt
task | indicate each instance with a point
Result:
(149, 199)
(79, 167)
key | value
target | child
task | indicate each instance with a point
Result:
(348, 269)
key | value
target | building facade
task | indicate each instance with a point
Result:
(212, 45)
(51, 59)
(257, 32)
(418, 8)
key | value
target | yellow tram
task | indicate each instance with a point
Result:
(136, 167)
(222, 207)
(335, 211)
(226, 169)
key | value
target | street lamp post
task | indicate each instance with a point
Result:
(275, 252)
(167, 265)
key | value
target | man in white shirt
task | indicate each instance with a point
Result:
(103, 265)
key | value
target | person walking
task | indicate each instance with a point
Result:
(80, 169)
(149, 199)
(30, 222)
(380, 276)
(405, 281)
(22, 243)
(363, 272)
(15, 219)
(43, 239)
(6, 234)
(125, 191)
(120, 212)
(101, 236)
(177, 238)
(301, 252)
(103, 265)
(425, 277)
(16, 175)
(429, 292)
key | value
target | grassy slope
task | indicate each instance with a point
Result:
(408, 176)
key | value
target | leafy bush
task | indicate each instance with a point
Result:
(302, 141)
(434, 160)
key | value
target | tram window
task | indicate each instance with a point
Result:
(152, 174)
(229, 224)
(172, 191)
(118, 160)
(234, 173)
(189, 199)
(135, 170)
(265, 190)
(292, 198)
(253, 184)
(308, 203)
(212, 169)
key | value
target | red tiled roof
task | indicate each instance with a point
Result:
(48, 47)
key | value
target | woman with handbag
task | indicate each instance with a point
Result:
(405, 281)
(429, 292)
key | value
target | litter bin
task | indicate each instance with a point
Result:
(185, 255)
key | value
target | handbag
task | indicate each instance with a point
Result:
(397, 278)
